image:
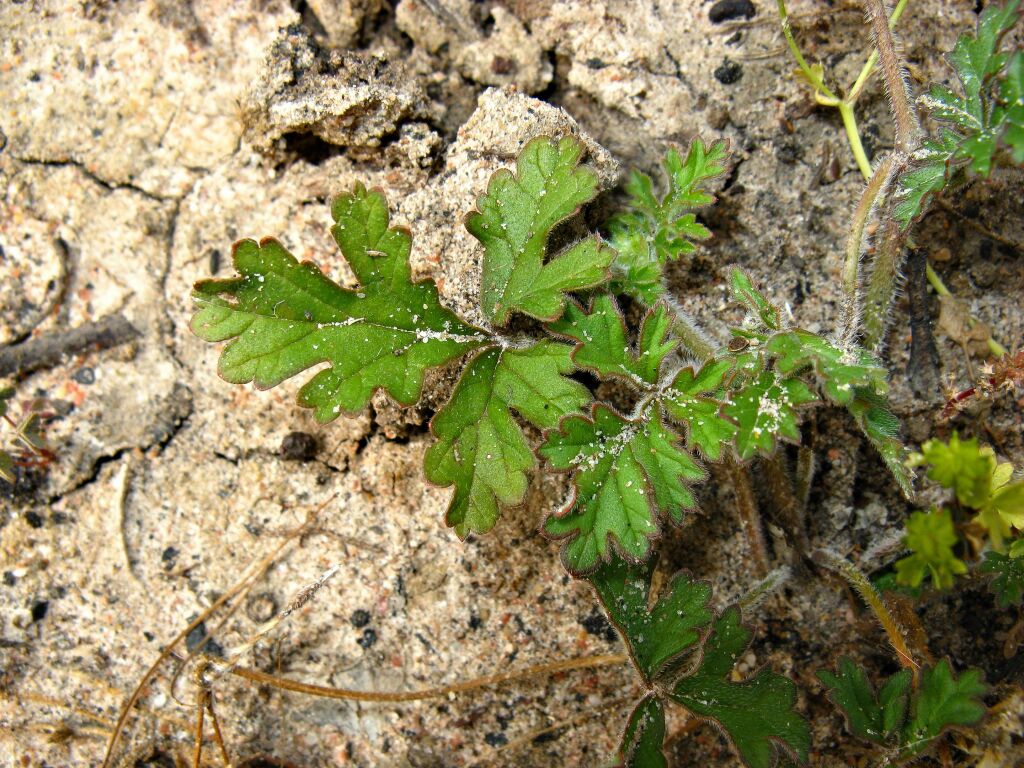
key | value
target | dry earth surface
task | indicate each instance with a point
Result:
(140, 139)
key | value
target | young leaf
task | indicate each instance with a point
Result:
(942, 700)
(284, 317)
(930, 538)
(869, 716)
(644, 736)
(604, 347)
(636, 271)
(764, 411)
(694, 400)
(666, 223)
(756, 714)
(1008, 584)
(744, 292)
(628, 474)
(841, 371)
(481, 450)
(659, 635)
(513, 222)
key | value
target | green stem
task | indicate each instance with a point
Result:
(853, 137)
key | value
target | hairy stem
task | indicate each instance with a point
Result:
(874, 601)
(869, 66)
(849, 319)
(889, 254)
(908, 130)
(750, 519)
(693, 339)
(805, 468)
(784, 499)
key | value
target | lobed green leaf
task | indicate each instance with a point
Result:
(756, 714)
(481, 450)
(604, 347)
(765, 411)
(871, 716)
(283, 317)
(628, 474)
(514, 220)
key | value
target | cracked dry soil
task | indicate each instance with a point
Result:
(138, 140)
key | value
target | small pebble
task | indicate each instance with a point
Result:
(726, 10)
(84, 375)
(298, 446)
(359, 618)
(729, 72)
(368, 639)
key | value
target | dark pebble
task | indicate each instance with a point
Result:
(729, 72)
(368, 639)
(496, 739)
(40, 609)
(84, 375)
(726, 10)
(359, 618)
(33, 519)
(298, 446)
(596, 624)
(10, 579)
(169, 556)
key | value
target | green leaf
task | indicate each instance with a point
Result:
(644, 736)
(882, 429)
(930, 538)
(628, 475)
(744, 292)
(941, 701)
(696, 401)
(481, 450)
(513, 222)
(603, 344)
(655, 636)
(284, 317)
(989, 114)
(756, 714)
(869, 716)
(765, 411)
(978, 58)
(960, 465)
(931, 168)
(1008, 585)
(1010, 111)
(1007, 500)
(670, 639)
(653, 231)
(841, 372)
